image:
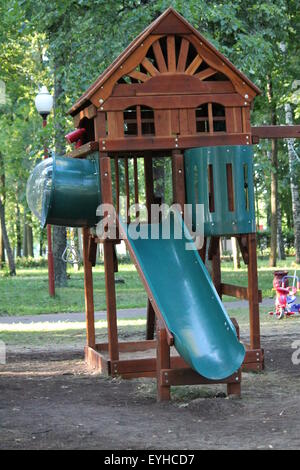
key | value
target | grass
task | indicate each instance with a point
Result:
(61, 333)
(72, 334)
(27, 293)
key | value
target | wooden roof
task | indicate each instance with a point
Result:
(170, 22)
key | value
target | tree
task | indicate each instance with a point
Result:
(294, 164)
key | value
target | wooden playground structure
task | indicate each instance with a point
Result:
(169, 91)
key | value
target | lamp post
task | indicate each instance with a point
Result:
(44, 104)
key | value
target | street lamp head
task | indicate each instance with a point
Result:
(44, 102)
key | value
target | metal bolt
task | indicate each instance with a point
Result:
(245, 103)
(237, 379)
(246, 96)
(179, 171)
(103, 148)
(101, 101)
(101, 108)
(142, 45)
(103, 142)
(233, 223)
(106, 174)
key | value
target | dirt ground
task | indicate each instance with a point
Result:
(50, 401)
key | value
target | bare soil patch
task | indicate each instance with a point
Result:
(49, 400)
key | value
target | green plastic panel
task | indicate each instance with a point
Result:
(65, 191)
(182, 288)
(207, 170)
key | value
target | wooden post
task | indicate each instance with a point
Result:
(88, 291)
(253, 293)
(150, 321)
(162, 362)
(109, 264)
(148, 171)
(178, 178)
(235, 388)
(111, 307)
(202, 251)
(214, 256)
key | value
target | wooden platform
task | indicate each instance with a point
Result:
(142, 359)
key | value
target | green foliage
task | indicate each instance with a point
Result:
(75, 40)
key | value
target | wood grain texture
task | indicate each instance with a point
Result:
(88, 291)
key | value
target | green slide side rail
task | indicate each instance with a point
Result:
(182, 288)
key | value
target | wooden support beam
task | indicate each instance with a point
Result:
(109, 263)
(178, 178)
(95, 360)
(275, 132)
(84, 150)
(92, 251)
(202, 251)
(243, 244)
(138, 144)
(253, 293)
(163, 362)
(111, 306)
(129, 346)
(214, 256)
(150, 321)
(149, 187)
(188, 376)
(239, 292)
(89, 112)
(88, 291)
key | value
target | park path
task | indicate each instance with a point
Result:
(124, 313)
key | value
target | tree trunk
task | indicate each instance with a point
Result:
(59, 233)
(235, 253)
(59, 245)
(25, 232)
(18, 232)
(274, 180)
(294, 183)
(280, 243)
(7, 246)
(41, 243)
(30, 241)
(2, 252)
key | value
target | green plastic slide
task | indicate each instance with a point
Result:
(183, 290)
